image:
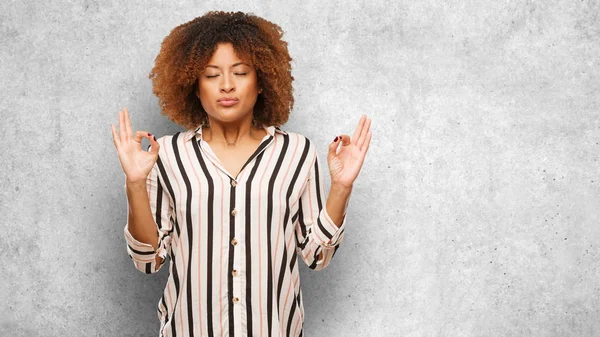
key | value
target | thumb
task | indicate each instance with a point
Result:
(333, 148)
(154, 146)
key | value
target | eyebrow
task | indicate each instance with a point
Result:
(234, 65)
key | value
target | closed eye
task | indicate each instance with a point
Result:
(240, 74)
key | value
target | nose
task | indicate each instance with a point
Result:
(227, 84)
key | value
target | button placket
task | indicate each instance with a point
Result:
(236, 294)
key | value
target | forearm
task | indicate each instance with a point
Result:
(337, 202)
(141, 224)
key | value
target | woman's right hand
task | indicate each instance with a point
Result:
(136, 163)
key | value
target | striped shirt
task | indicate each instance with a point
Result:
(233, 242)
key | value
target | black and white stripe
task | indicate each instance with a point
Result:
(273, 210)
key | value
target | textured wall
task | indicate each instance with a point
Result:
(476, 213)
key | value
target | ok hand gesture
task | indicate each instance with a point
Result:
(136, 163)
(345, 163)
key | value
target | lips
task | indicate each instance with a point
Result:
(227, 101)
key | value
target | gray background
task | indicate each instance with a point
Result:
(476, 212)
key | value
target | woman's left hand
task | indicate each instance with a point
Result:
(345, 163)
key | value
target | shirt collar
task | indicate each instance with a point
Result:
(271, 130)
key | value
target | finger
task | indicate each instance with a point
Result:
(358, 129)
(128, 127)
(122, 131)
(363, 132)
(139, 135)
(363, 135)
(365, 146)
(116, 139)
(345, 140)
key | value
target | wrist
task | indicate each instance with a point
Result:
(341, 188)
(136, 184)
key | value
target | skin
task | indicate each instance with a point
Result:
(229, 76)
(226, 75)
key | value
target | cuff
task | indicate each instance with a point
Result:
(141, 251)
(328, 234)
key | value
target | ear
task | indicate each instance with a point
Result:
(197, 89)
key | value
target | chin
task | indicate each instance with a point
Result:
(228, 117)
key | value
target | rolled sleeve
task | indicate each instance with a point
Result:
(326, 228)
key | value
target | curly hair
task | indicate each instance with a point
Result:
(187, 49)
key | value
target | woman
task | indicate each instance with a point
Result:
(235, 198)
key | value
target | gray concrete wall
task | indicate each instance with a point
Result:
(476, 213)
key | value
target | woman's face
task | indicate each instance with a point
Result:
(228, 86)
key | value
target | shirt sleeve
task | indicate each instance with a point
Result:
(143, 254)
(315, 232)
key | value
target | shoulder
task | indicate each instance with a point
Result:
(301, 145)
(168, 142)
(296, 139)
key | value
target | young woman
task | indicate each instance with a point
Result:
(234, 200)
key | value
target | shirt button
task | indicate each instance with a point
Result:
(235, 300)
(234, 212)
(233, 183)
(234, 241)
(234, 272)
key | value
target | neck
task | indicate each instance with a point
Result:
(231, 134)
